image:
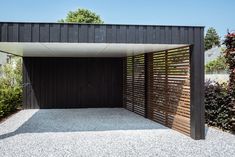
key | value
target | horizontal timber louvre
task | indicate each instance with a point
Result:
(139, 85)
(169, 99)
(129, 84)
(157, 85)
(134, 88)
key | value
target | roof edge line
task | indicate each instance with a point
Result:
(21, 22)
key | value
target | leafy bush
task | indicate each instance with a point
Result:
(230, 60)
(219, 64)
(230, 40)
(10, 87)
(10, 99)
(218, 107)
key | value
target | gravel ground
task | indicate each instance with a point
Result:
(102, 132)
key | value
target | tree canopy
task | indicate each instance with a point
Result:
(211, 39)
(82, 16)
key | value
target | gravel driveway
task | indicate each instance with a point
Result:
(102, 132)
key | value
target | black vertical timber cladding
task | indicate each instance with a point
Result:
(100, 34)
(54, 36)
(44, 33)
(108, 33)
(4, 32)
(168, 34)
(72, 82)
(114, 34)
(83, 33)
(131, 34)
(140, 34)
(91, 33)
(197, 86)
(64, 33)
(25, 32)
(162, 35)
(175, 35)
(0, 31)
(157, 31)
(35, 33)
(96, 33)
(72, 33)
(10, 32)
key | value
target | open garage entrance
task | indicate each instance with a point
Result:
(154, 71)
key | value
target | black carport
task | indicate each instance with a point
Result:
(155, 71)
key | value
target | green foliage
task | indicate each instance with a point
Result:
(230, 60)
(218, 109)
(220, 98)
(211, 39)
(10, 86)
(10, 99)
(219, 64)
(82, 16)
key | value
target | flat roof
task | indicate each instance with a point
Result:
(40, 39)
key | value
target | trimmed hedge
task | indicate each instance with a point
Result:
(218, 106)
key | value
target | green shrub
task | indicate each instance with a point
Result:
(217, 65)
(10, 87)
(10, 100)
(218, 107)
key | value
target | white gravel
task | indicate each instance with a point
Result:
(102, 132)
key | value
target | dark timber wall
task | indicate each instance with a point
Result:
(111, 33)
(100, 33)
(72, 82)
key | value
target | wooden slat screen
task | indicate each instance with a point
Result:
(129, 83)
(167, 80)
(135, 84)
(169, 99)
(139, 85)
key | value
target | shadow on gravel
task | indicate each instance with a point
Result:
(81, 120)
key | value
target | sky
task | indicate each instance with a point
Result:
(209, 13)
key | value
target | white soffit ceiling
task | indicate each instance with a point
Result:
(81, 49)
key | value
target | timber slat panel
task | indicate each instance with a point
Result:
(135, 84)
(169, 102)
(129, 83)
(166, 99)
(139, 84)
